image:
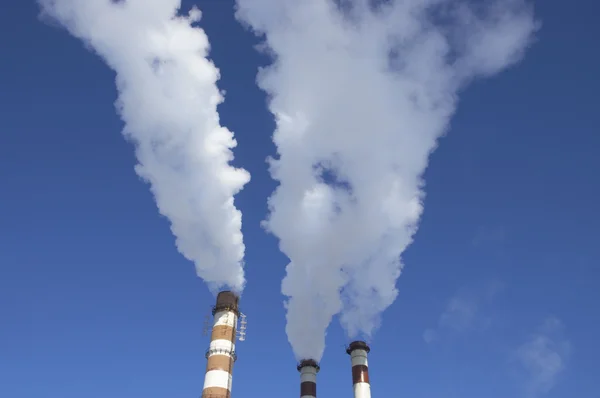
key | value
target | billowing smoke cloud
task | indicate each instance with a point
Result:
(361, 91)
(168, 99)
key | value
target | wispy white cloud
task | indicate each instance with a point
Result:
(544, 357)
(463, 313)
(459, 314)
(488, 235)
(430, 335)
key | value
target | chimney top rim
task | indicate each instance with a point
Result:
(358, 345)
(308, 363)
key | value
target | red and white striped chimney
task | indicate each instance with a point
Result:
(308, 369)
(221, 352)
(358, 351)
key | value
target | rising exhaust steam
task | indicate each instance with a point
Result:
(168, 100)
(361, 91)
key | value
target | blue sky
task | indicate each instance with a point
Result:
(497, 298)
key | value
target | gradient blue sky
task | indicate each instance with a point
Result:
(498, 298)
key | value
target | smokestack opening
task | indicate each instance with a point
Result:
(308, 362)
(358, 345)
(227, 301)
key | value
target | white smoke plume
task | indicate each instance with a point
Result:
(361, 91)
(168, 100)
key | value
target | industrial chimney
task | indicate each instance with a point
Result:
(221, 352)
(308, 369)
(358, 351)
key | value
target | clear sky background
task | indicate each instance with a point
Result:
(499, 297)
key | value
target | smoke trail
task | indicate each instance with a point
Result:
(361, 91)
(168, 99)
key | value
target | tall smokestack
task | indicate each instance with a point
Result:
(221, 352)
(308, 369)
(358, 351)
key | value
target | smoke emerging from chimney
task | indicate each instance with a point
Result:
(361, 91)
(168, 100)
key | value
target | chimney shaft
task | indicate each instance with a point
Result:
(308, 369)
(221, 352)
(358, 351)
